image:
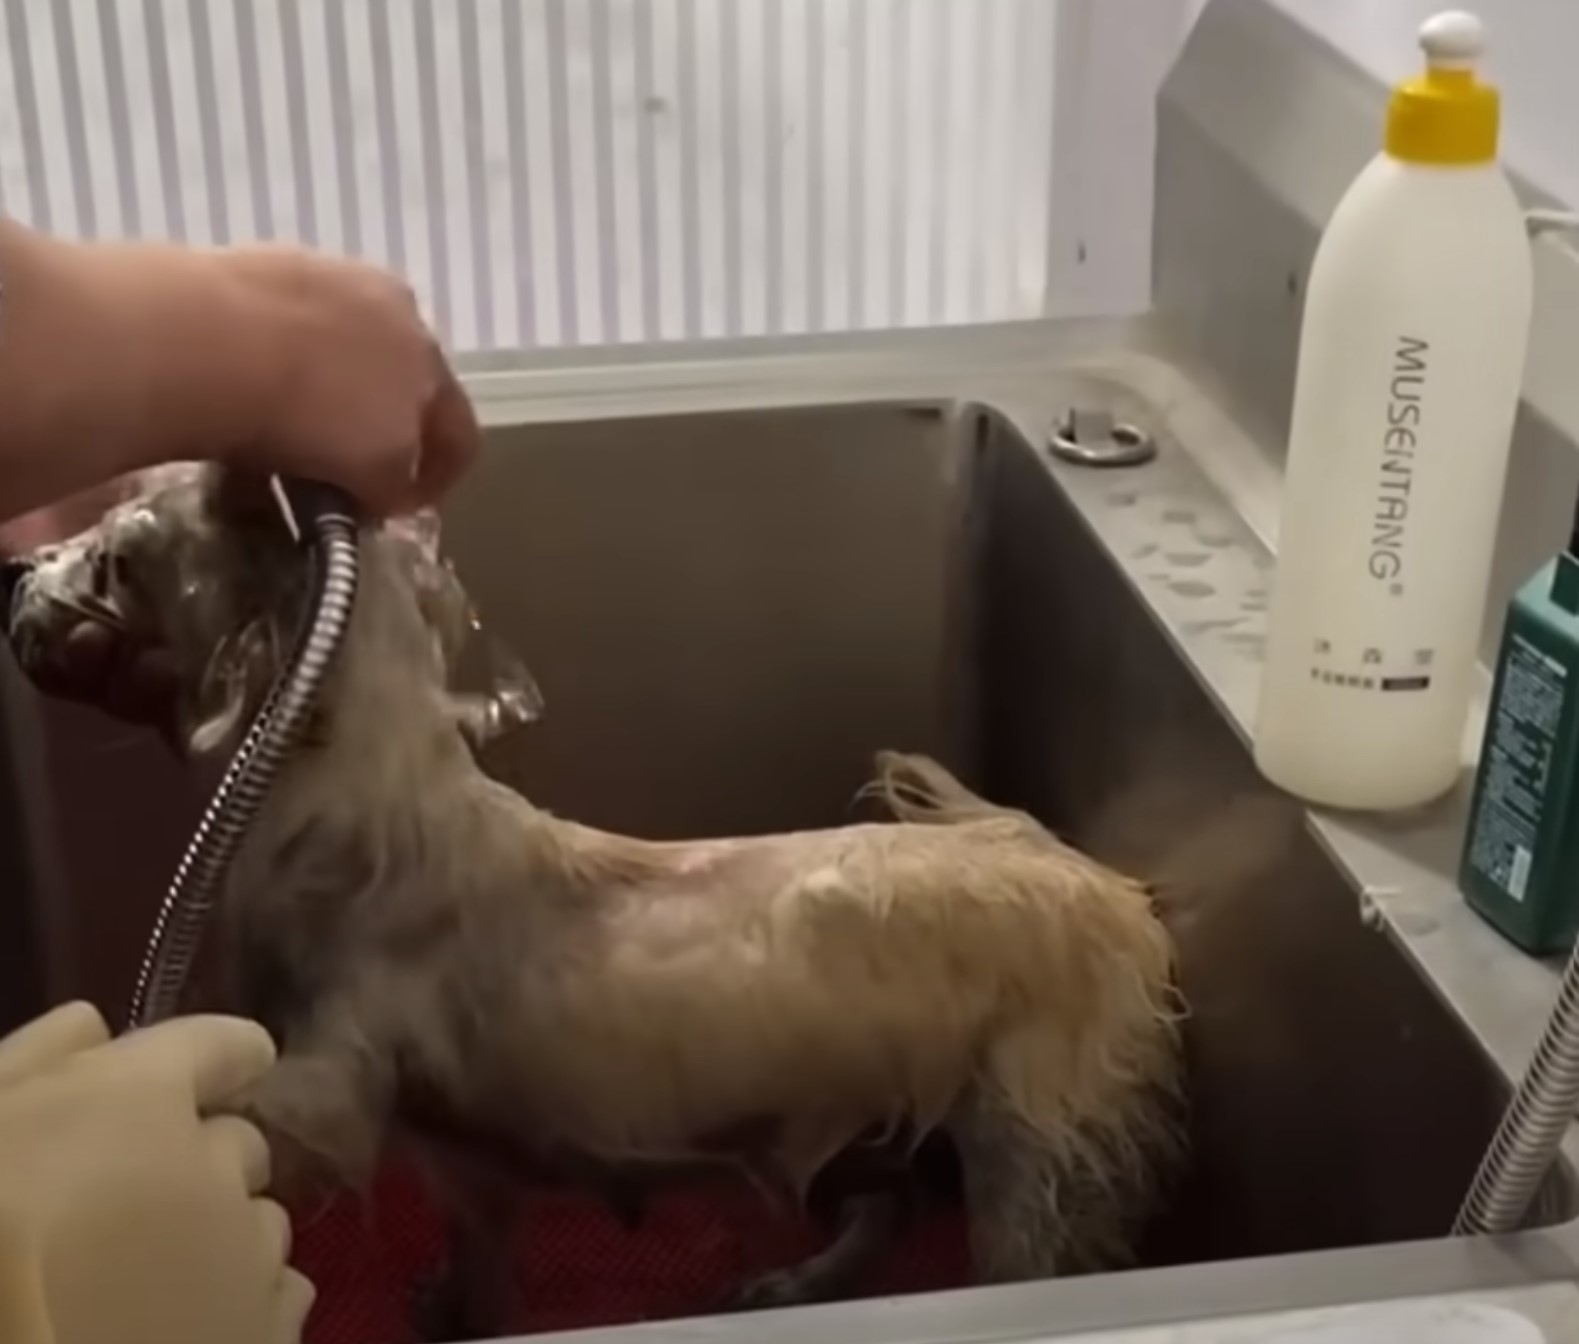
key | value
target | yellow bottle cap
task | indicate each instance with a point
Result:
(1446, 115)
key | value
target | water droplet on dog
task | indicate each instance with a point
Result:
(1123, 499)
(1188, 559)
(1215, 541)
(1191, 588)
(1144, 552)
(1203, 627)
(1178, 515)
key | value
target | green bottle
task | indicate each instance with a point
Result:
(1520, 868)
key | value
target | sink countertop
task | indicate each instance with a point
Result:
(1445, 1319)
(1211, 472)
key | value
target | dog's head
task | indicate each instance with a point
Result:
(179, 607)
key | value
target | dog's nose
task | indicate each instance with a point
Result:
(12, 572)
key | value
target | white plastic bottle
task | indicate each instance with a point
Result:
(1410, 363)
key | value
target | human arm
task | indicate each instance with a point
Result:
(120, 356)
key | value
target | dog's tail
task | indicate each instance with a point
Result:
(918, 789)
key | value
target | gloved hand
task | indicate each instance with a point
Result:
(129, 1208)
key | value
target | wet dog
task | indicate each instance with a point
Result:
(518, 997)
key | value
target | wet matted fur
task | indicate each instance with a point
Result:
(448, 967)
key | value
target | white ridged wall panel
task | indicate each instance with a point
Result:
(563, 171)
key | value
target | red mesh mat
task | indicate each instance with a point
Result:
(579, 1265)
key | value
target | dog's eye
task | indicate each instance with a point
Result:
(120, 571)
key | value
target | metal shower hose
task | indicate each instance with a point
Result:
(1531, 1131)
(273, 736)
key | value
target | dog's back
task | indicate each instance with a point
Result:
(773, 1000)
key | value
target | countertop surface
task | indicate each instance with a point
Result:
(1527, 1316)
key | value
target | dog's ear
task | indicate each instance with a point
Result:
(484, 718)
(234, 679)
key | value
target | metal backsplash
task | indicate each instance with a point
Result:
(563, 171)
(1261, 127)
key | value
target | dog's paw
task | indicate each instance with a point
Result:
(440, 1313)
(629, 1208)
(782, 1288)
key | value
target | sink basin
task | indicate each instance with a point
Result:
(730, 612)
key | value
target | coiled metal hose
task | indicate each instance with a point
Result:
(330, 528)
(1531, 1131)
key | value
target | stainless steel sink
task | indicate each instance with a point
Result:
(729, 612)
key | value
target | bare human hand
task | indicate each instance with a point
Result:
(123, 356)
(351, 387)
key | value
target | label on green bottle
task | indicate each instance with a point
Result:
(1521, 744)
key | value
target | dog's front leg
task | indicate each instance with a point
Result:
(476, 1294)
(324, 1108)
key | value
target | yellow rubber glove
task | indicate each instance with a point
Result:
(129, 1199)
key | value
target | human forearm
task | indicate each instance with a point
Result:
(114, 357)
